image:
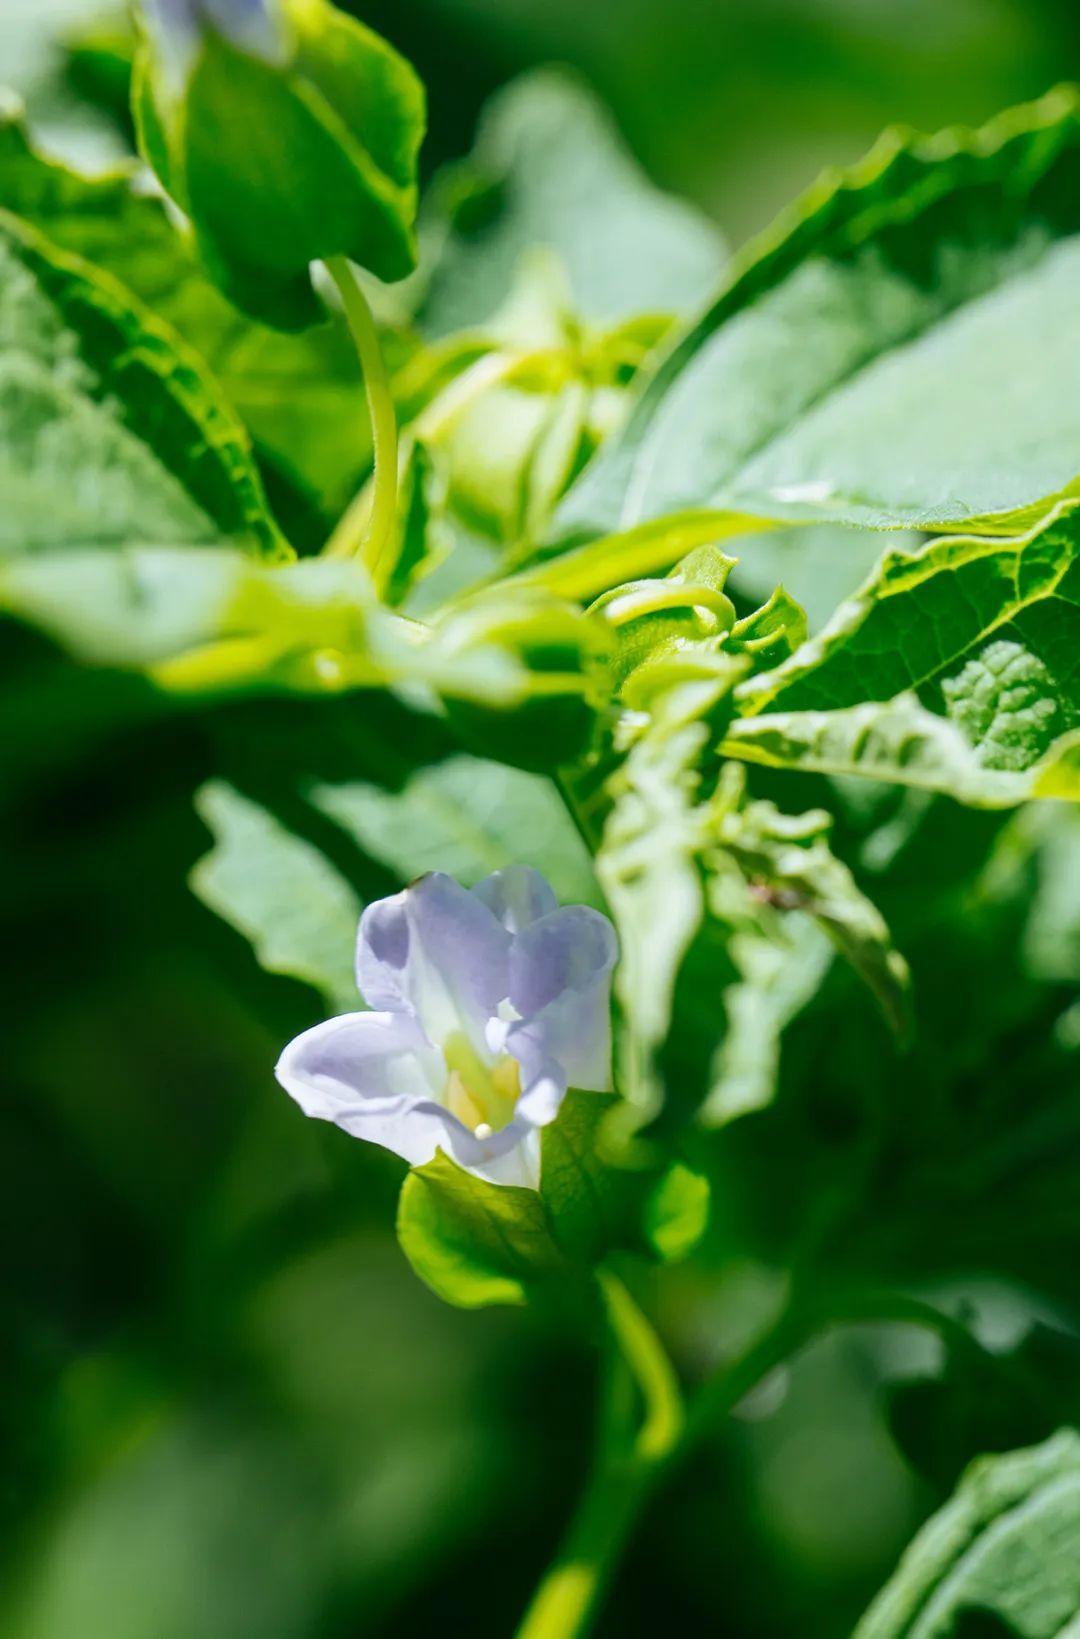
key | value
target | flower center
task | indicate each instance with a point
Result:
(482, 1096)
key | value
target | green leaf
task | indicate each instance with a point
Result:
(141, 606)
(924, 611)
(279, 161)
(281, 893)
(468, 817)
(931, 287)
(903, 743)
(111, 430)
(987, 629)
(550, 170)
(1008, 1543)
(477, 1243)
(217, 623)
(301, 396)
(472, 1242)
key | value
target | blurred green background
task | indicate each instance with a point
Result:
(230, 1411)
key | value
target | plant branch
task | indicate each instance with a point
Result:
(629, 1464)
(365, 529)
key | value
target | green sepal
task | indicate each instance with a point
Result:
(476, 1243)
(472, 1242)
(279, 164)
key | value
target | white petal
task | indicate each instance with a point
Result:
(511, 1156)
(372, 1074)
(438, 952)
(517, 895)
(560, 983)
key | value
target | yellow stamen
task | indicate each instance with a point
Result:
(483, 1097)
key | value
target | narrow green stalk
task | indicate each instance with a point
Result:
(367, 527)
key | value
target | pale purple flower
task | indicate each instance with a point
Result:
(489, 1003)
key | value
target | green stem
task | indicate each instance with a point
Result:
(365, 530)
(568, 1597)
(628, 1467)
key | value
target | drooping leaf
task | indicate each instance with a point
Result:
(778, 969)
(292, 142)
(1008, 1544)
(282, 894)
(550, 171)
(931, 289)
(215, 622)
(647, 865)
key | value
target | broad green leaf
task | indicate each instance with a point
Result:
(468, 817)
(301, 148)
(550, 170)
(301, 396)
(281, 893)
(111, 430)
(475, 1243)
(1008, 1544)
(932, 291)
